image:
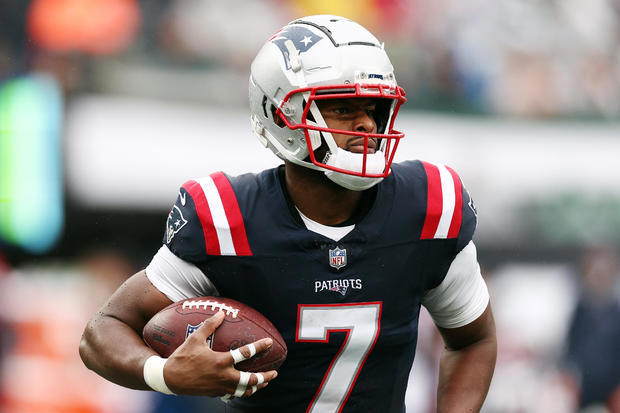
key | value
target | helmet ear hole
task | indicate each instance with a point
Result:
(276, 119)
(264, 105)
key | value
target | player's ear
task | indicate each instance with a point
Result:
(278, 121)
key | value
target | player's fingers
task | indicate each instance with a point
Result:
(250, 390)
(208, 326)
(258, 379)
(244, 379)
(255, 383)
(249, 350)
(249, 383)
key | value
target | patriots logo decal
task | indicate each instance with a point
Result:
(473, 207)
(175, 222)
(302, 38)
(342, 289)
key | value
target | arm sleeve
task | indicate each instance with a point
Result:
(462, 296)
(177, 278)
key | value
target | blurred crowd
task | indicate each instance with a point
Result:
(558, 320)
(509, 57)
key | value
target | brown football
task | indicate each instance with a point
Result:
(242, 325)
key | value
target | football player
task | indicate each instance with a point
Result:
(338, 247)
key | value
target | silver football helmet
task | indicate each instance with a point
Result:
(324, 57)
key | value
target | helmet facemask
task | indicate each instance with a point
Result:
(356, 171)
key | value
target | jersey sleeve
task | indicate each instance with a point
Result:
(450, 212)
(206, 221)
(462, 296)
(177, 278)
(184, 235)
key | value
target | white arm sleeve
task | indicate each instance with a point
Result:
(177, 278)
(462, 296)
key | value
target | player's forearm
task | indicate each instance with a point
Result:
(465, 376)
(115, 351)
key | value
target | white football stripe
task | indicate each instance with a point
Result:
(449, 200)
(219, 216)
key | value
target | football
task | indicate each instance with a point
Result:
(242, 325)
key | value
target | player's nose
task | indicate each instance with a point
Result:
(364, 122)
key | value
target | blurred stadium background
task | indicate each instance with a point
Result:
(107, 106)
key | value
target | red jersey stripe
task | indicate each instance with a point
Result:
(457, 217)
(233, 214)
(212, 242)
(434, 201)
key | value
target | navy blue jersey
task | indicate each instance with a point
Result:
(348, 310)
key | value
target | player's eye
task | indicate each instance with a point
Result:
(370, 110)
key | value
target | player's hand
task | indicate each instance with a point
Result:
(194, 369)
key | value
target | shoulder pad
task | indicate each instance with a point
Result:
(449, 209)
(209, 208)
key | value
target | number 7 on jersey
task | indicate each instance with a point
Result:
(361, 323)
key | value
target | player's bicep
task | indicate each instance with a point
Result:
(481, 328)
(462, 296)
(135, 302)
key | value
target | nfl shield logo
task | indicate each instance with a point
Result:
(191, 329)
(338, 258)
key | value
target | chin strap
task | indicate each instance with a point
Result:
(315, 135)
(375, 164)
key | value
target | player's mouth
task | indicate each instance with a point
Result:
(357, 145)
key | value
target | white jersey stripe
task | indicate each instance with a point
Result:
(448, 195)
(220, 222)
